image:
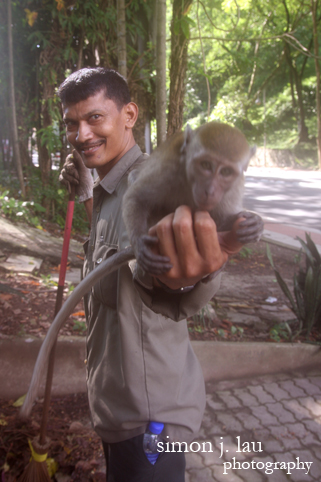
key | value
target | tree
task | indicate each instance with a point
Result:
(314, 5)
(121, 38)
(161, 70)
(13, 104)
(178, 64)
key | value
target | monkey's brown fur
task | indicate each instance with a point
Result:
(202, 169)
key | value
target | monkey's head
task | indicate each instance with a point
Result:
(215, 156)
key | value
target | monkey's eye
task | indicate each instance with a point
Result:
(206, 165)
(226, 171)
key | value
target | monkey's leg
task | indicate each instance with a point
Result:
(250, 230)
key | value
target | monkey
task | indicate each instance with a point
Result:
(203, 169)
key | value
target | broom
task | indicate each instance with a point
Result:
(37, 470)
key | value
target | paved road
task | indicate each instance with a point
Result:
(292, 197)
(266, 429)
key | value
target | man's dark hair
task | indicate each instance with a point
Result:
(89, 81)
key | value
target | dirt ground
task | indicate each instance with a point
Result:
(26, 308)
(27, 301)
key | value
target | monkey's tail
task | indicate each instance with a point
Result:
(108, 266)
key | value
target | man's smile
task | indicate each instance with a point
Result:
(91, 148)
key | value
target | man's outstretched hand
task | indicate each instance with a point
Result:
(193, 246)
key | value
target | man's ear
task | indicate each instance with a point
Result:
(131, 114)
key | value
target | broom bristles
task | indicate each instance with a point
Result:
(37, 470)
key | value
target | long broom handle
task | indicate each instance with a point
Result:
(59, 298)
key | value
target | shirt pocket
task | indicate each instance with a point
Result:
(105, 290)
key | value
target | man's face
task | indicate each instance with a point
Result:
(99, 131)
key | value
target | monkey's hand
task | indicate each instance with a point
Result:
(250, 229)
(152, 263)
(75, 172)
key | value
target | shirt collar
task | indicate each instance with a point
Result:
(114, 176)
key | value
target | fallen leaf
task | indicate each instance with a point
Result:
(34, 283)
(17, 311)
(79, 313)
(5, 297)
(19, 401)
(3, 422)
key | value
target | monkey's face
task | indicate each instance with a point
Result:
(100, 131)
(210, 178)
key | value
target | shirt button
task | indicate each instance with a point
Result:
(99, 260)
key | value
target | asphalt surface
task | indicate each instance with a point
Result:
(285, 196)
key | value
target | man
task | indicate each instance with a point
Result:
(140, 364)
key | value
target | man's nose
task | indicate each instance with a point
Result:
(84, 133)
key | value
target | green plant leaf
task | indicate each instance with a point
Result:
(269, 255)
(306, 250)
(313, 249)
(299, 298)
(309, 299)
(287, 292)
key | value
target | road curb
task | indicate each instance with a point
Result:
(219, 361)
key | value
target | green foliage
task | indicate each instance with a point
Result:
(306, 299)
(49, 137)
(253, 84)
(56, 197)
(237, 330)
(280, 332)
(16, 210)
(245, 252)
(48, 281)
(79, 326)
(32, 211)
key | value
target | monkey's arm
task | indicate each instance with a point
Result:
(249, 230)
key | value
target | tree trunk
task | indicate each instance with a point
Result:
(121, 38)
(303, 130)
(178, 65)
(161, 71)
(13, 106)
(317, 71)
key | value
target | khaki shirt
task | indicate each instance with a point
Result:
(140, 363)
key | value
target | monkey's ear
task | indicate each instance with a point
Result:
(187, 138)
(251, 154)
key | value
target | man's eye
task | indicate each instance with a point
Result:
(69, 125)
(95, 117)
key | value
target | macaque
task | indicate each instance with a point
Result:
(202, 169)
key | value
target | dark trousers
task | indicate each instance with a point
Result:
(126, 462)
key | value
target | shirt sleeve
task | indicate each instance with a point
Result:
(177, 306)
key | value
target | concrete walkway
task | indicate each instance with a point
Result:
(260, 429)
